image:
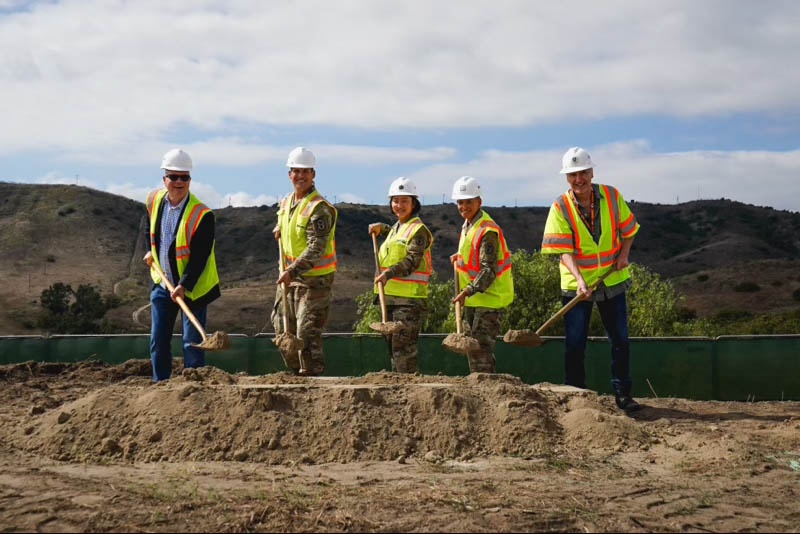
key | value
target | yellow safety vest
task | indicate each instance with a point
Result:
(193, 213)
(293, 232)
(501, 293)
(394, 249)
(565, 233)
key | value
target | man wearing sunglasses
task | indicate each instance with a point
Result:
(181, 232)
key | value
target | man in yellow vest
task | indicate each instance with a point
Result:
(306, 229)
(406, 266)
(181, 232)
(592, 228)
(483, 263)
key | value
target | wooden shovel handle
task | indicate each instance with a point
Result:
(381, 292)
(571, 304)
(458, 304)
(181, 302)
(283, 288)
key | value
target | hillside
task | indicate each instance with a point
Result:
(76, 235)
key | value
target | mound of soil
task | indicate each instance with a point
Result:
(91, 447)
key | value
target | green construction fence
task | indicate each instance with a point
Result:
(723, 368)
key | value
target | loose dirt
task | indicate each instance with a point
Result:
(90, 447)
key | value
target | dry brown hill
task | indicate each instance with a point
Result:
(76, 235)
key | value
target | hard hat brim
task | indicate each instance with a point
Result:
(567, 170)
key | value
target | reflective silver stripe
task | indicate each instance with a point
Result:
(414, 277)
(587, 262)
(629, 226)
(614, 194)
(562, 204)
(566, 241)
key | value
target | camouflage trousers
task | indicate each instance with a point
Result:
(482, 324)
(307, 308)
(403, 345)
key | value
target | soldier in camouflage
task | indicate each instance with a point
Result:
(405, 263)
(483, 263)
(306, 229)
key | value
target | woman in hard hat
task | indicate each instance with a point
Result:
(483, 263)
(405, 266)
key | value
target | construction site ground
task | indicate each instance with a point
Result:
(92, 447)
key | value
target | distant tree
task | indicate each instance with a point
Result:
(74, 312)
(56, 298)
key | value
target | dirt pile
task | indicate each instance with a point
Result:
(210, 415)
(96, 448)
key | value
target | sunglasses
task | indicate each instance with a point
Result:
(181, 177)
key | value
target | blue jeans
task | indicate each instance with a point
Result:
(614, 314)
(164, 312)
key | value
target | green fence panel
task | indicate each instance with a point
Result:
(757, 367)
(112, 349)
(18, 349)
(533, 365)
(674, 367)
(251, 355)
(726, 368)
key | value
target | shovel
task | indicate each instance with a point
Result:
(459, 342)
(526, 338)
(286, 341)
(214, 342)
(385, 327)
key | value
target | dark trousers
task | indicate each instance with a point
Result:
(163, 315)
(614, 314)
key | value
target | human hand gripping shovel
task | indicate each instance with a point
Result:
(385, 327)
(526, 338)
(217, 341)
(287, 342)
(458, 342)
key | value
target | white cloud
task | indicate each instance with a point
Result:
(765, 178)
(92, 74)
(759, 177)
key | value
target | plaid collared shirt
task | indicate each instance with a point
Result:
(170, 216)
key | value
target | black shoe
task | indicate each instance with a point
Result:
(628, 404)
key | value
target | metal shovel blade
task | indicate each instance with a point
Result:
(461, 343)
(388, 328)
(214, 342)
(288, 343)
(523, 338)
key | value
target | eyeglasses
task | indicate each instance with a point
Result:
(181, 177)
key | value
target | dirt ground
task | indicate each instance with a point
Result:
(93, 448)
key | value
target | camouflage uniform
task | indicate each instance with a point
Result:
(483, 323)
(308, 299)
(410, 312)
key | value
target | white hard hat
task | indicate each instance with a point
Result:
(301, 158)
(576, 159)
(466, 187)
(402, 187)
(176, 160)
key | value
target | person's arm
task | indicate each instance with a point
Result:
(378, 229)
(622, 260)
(568, 260)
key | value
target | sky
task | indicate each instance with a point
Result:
(675, 100)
